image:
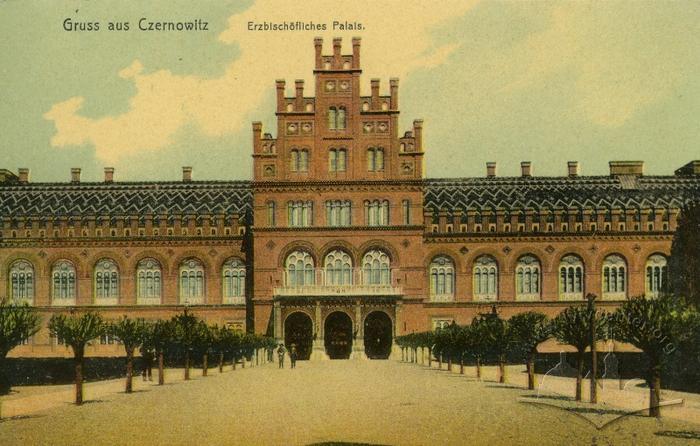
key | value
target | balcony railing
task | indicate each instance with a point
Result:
(349, 282)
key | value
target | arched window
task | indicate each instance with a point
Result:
(375, 159)
(294, 160)
(148, 273)
(271, 208)
(303, 160)
(191, 282)
(338, 266)
(375, 268)
(332, 116)
(340, 121)
(300, 269)
(22, 281)
(656, 275)
(614, 277)
(571, 278)
(300, 213)
(527, 278)
(233, 273)
(106, 282)
(377, 213)
(337, 160)
(442, 279)
(63, 290)
(338, 213)
(485, 278)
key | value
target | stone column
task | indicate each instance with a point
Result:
(358, 344)
(395, 349)
(278, 333)
(318, 350)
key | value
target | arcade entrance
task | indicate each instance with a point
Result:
(298, 330)
(378, 335)
(338, 335)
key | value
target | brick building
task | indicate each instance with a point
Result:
(339, 243)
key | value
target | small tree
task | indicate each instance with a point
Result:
(656, 327)
(77, 331)
(474, 339)
(684, 264)
(572, 326)
(185, 332)
(130, 333)
(203, 342)
(496, 334)
(17, 323)
(160, 336)
(529, 330)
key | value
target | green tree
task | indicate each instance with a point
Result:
(684, 264)
(203, 341)
(572, 326)
(77, 331)
(497, 337)
(475, 334)
(130, 333)
(159, 337)
(529, 330)
(185, 335)
(656, 327)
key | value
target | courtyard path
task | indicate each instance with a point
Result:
(371, 402)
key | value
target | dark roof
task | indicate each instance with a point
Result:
(196, 197)
(593, 192)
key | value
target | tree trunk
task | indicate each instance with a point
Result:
(422, 355)
(449, 363)
(235, 360)
(221, 362)
(403, 354)
(129, 370)
(478, 368)
(430, 357)
(461, 365)
(655, 391)
(187, 365)
(205, 364)
(161, 372)
(79, 379)
(531, 372)
(440, 361)
(501, 369)
(579, 375)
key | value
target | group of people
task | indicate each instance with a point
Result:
(282, 351)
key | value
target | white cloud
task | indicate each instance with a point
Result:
(397, 39)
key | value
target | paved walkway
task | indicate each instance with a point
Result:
(371, 402)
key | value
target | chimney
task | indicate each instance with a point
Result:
(418, 132)
(375, 90)
(526, 169)
(490, 169)
(394, 89)
(356, 52)
(337, 43)
(187, 173)
(280, 94)
(633, 168)
(318, 46)
(109, 174)
(75, 175)
(257, 131)
(23, 173)
(573, 168)
(299, 87)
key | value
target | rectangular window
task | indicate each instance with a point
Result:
(271, 214)
(406, 206)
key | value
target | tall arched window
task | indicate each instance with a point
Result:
(571, 278)
(294, 160)
(375, 268)
(300, 269)
(338, 266)
(614, 277)
(22, 281)
(332, 116)
(148, 273)
(656, 275)
(527, 278)
(377, 212)
(300, 213)
(271, 209)
(303, 160)
(106, 282)
(485, 278)
(341, 121)
(442, 279)
(191, 282)
(338, 213)
(64, 288)
(337, 160)
(375, 159)
(233, 273)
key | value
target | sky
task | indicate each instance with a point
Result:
(502, 81)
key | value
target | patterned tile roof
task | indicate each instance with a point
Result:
(55, 199)
(593, 192)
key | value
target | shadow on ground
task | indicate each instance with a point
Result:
(688, 435)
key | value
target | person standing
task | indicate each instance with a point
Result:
(293, 356)
(281, 351)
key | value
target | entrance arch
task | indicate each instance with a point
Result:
(378, 335)
(338, 335)
(298, 330)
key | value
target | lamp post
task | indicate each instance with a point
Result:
(594, 360)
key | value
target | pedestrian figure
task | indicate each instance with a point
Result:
(281, 351)
(147, 361)
(293, 356)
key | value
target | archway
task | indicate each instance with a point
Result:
(338, 335)
(298, 330)
(378, 335)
